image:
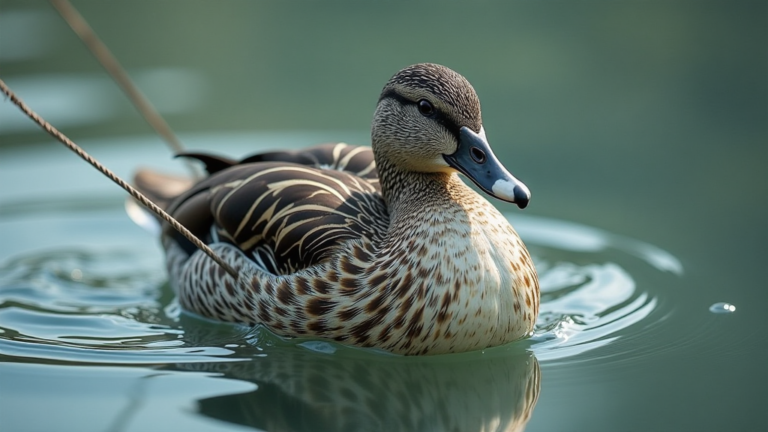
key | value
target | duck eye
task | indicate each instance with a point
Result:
(426, 108)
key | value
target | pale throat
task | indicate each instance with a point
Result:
(409, 193)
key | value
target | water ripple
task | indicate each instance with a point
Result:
(82, 305)
(589, 299)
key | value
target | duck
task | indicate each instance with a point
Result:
(381, 247)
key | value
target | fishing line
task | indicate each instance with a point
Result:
(146, 202)
(118, 73)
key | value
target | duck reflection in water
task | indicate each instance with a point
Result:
(303, 390)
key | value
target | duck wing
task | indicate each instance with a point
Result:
(356, 160)
(286, 216)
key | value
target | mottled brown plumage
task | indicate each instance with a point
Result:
(418, 264)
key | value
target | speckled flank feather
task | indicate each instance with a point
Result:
(420, 265)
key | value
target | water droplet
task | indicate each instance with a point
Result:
(76, 274)
(722, 308)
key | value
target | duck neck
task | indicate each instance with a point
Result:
(408, 192)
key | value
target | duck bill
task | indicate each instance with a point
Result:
(474, 159)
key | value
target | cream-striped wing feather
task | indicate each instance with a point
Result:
(284, 215)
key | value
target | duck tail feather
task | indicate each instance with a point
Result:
(213, 163)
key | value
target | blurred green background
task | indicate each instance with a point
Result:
(637, 99)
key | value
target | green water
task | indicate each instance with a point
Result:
(641, 129)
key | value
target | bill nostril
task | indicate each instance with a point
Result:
(477, 155)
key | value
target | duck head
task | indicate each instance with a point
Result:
(428, 120)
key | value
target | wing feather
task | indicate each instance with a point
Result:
(286, 215)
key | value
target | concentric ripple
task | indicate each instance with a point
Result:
(85, 306)
(104, 309)
(589, 295)
(96, 306)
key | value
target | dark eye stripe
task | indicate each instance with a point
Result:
(437, 116)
